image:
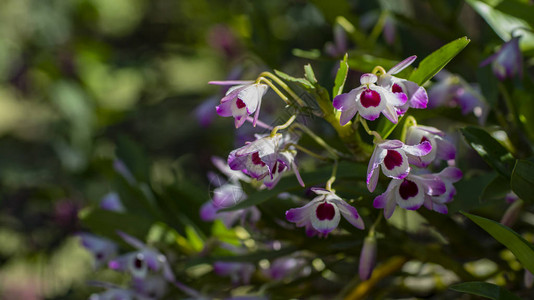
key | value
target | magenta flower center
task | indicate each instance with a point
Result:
(393, 159)
(325, 211)
(369, 98)
(424, 139)
(408, 189)
(256, 159)
(239, 103)
(396, 89)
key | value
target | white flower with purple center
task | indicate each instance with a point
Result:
(438, 203)
(415, 94)
(241, 100)
(265, 158)
(441, 148)
(369, 100)
(508, 61)
(392, 156)
(409, 193)
(324, 212)
(102, 249)
(140, 262)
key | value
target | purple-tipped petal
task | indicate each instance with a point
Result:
(350, 213)
(224, 109)
(434, 186)
(208, 212)
(451, 173)
(368, 78)
(132, 241)
(418, 150)
(445, 149)
(402, 65)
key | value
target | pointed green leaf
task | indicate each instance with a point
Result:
(498, 157)
(523, 179)
(305, 83)
(341, 76)
(309, 74)
(433, 63)
(106, 223)
(523, 250)
(484, 289)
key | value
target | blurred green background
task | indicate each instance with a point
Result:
(77, 77)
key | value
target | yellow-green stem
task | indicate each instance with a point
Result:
(332, 178)
(275, 78)
(283, 126)
(275, 89)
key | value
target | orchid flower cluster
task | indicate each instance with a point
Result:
(405, 161)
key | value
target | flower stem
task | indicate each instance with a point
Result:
(283, 126)
(275, 89)
(319, 140)
(379, 70)
(377, 136)
(377, 221)
(333, 177)
(309, 152)
(409, 122)
(270, 75)
(509, 104)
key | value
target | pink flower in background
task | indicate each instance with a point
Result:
(508, 61)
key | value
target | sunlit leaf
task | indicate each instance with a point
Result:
(433, 63)
(305, 83)
(484, 289)
(341, 76)
(523, 250)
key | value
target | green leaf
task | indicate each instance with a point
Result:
(365, 63)
(484, 289)
(498, 157)
(305, 83)
(523, 179)
(309, 74)
(496, 189)
(290, 183)
(523, 250)
(106, 223)
(433, 63)
(502, 23)
(134, 157)
(341, 76)
(517, 9)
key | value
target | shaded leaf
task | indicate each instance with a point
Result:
(106, 223)
(433, 63)
(484, 289)
(498, 157)
(523, 250)
(523, 179)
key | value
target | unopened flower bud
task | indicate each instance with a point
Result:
(512, 213)
(367, 258)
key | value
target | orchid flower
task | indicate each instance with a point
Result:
(101, 248)
(286, 267)
(265, 158)
(239, 272)
(241, 100)
(140, 262)
(441, 148)
(367, 258)
(324, 212)
(151, 287)
(209, 212)
(392, 156)
(438, 202)
(508, 61)
(415, 94)
(369, 100)
(409, 192)
(452, 91)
